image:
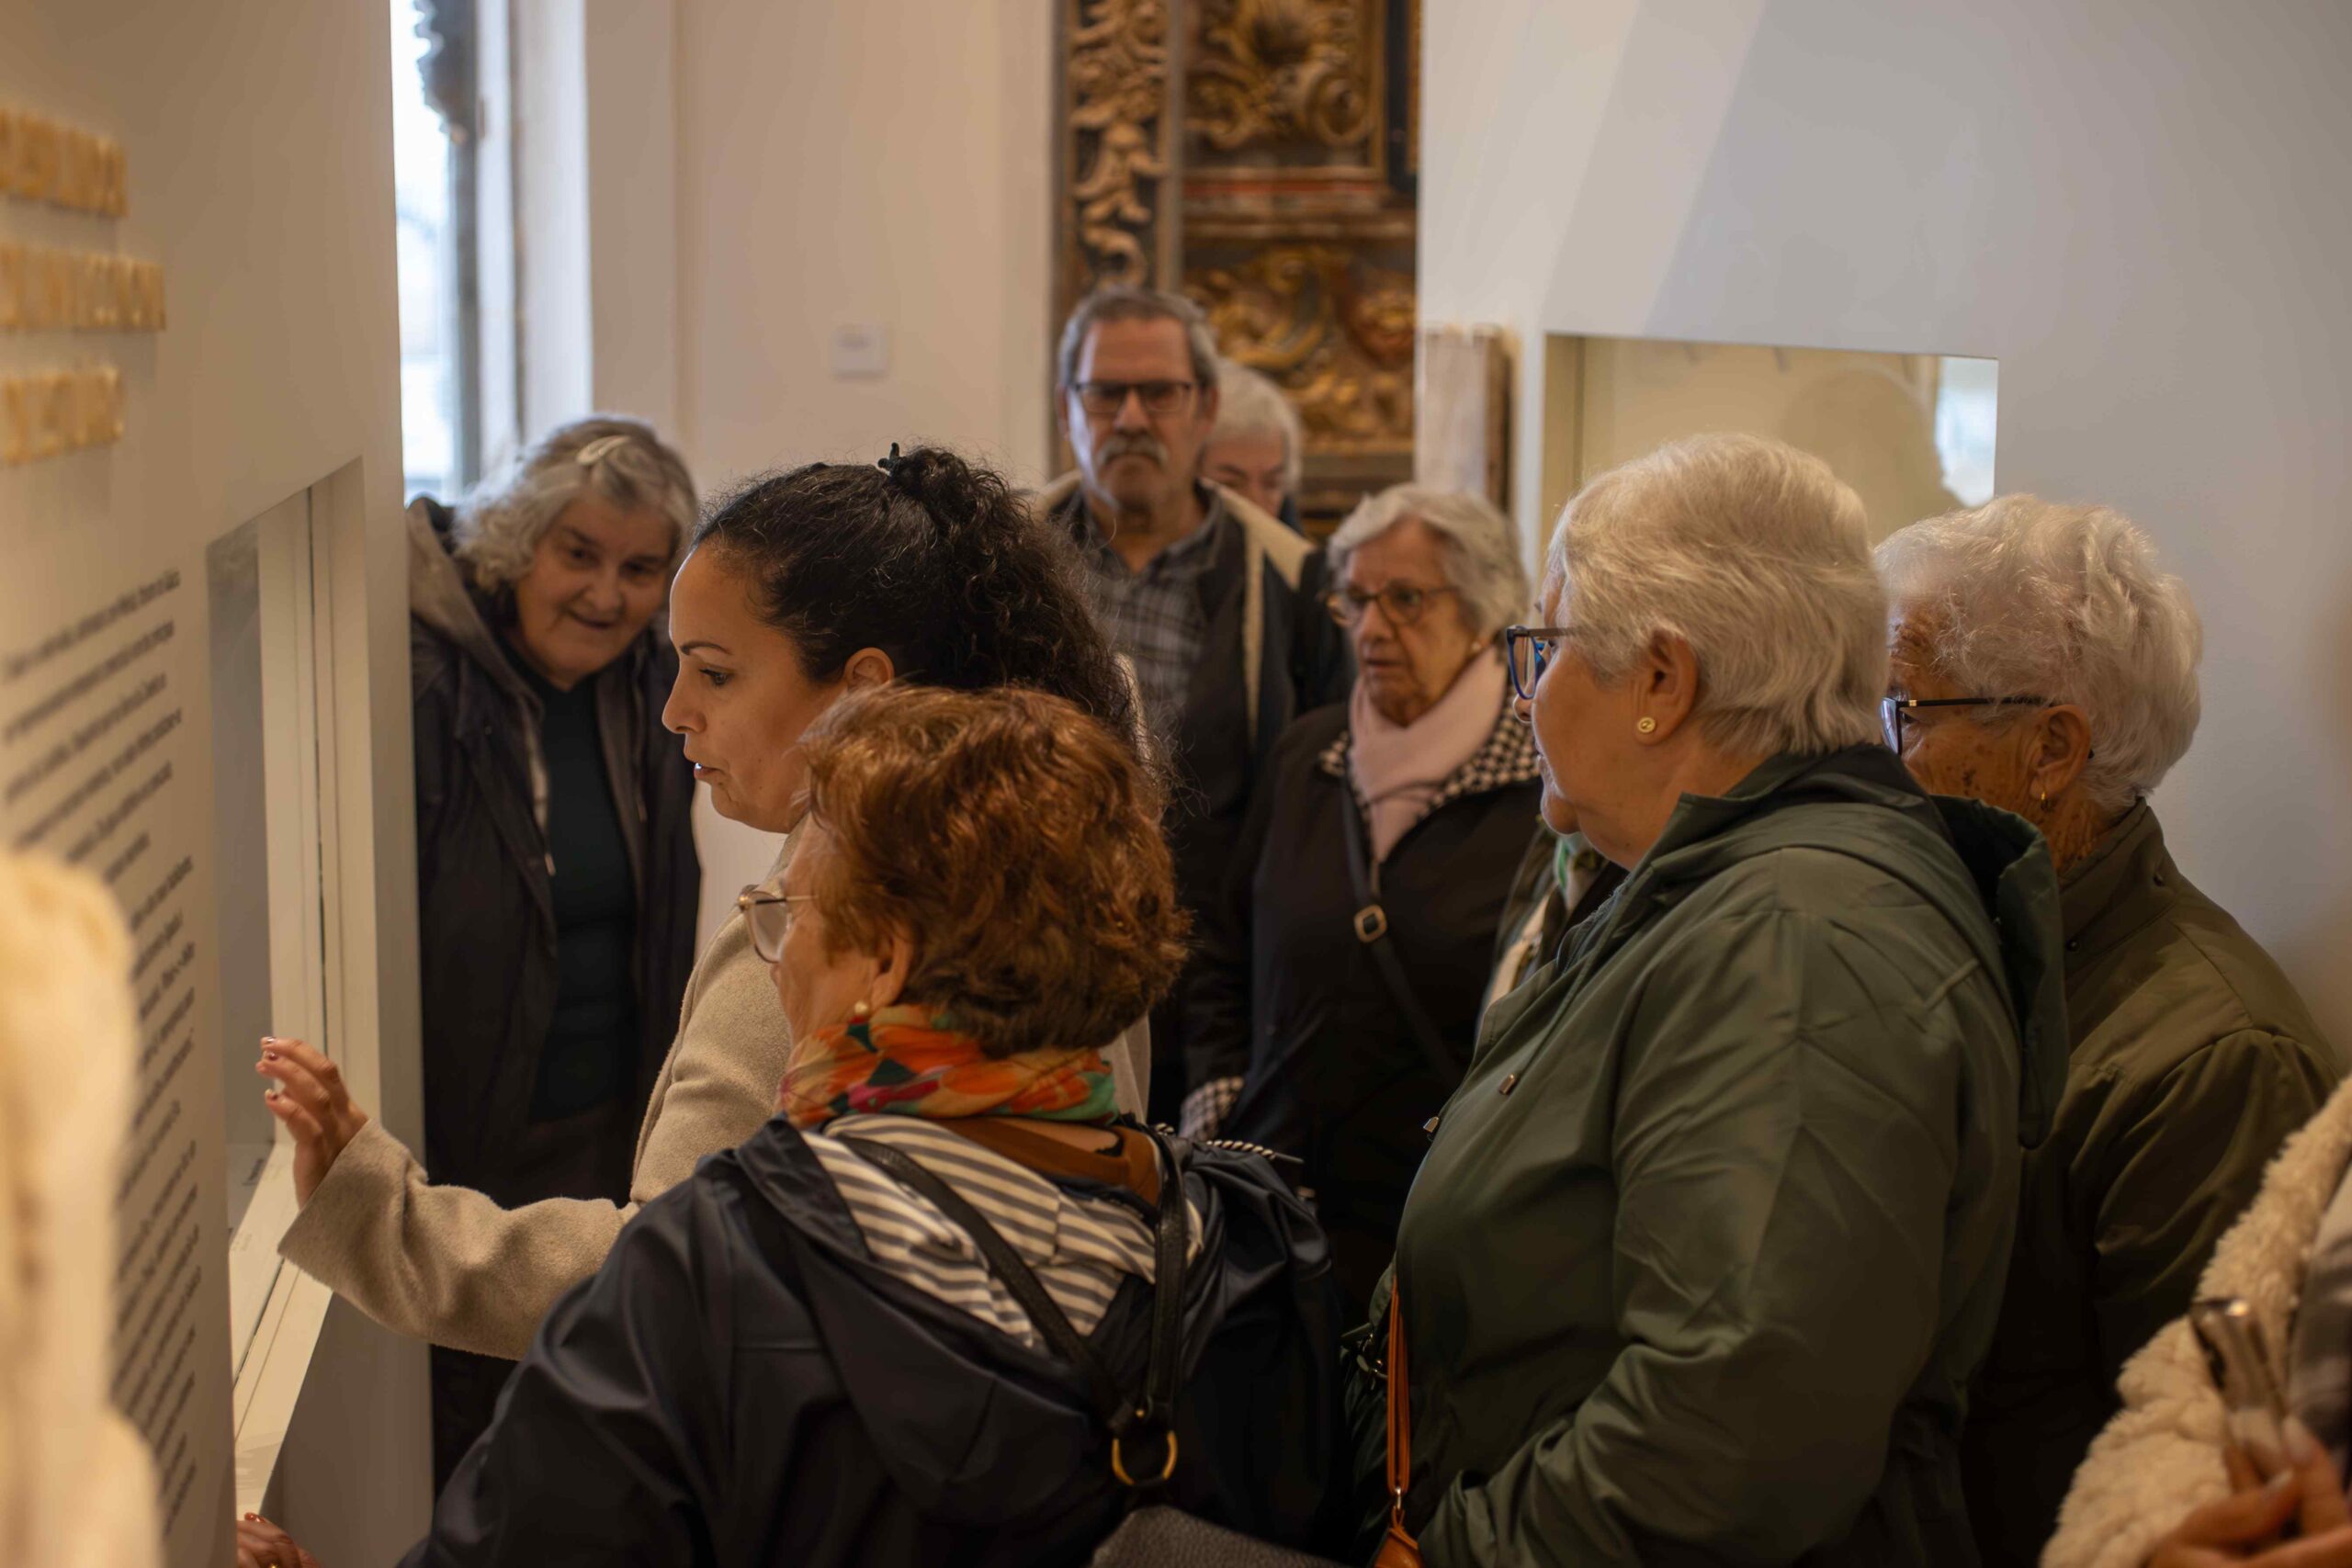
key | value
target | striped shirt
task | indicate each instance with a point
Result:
(1081, 1248)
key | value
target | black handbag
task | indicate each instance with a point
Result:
(1142, 1426)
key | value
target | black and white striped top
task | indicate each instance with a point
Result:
(1080, 1248)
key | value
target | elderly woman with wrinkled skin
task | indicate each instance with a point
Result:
(1708, 1241)
(1418, 794)
(2043, 663)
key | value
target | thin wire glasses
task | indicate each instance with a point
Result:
(1528, 650)
(768, 915)
(1104, 399)
(1403, 604)
(1895, 713)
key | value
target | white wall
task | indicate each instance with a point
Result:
(2137, 210)
(259, 148)
(836, 162)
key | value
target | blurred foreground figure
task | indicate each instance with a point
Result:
(76, 1488)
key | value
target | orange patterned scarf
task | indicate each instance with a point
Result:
(909, 1061)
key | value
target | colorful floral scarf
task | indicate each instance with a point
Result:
(909, 1061)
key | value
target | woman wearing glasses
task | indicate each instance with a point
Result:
(2043, 663)
(1338, 982)
(798, 589)
(1711, 1237)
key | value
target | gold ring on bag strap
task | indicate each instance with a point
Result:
(1119, 1466)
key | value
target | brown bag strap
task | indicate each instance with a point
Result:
(1400, 1417)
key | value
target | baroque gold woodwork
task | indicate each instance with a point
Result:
(1333, 328)
(1275, 71)
(1116, 120)
(1257, 154)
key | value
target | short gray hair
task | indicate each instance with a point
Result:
(1481, 555)
(2023, 597)
(1755, 555)
(1249, 404)
(500, 524)
(1125, 302)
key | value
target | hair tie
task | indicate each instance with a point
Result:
(596, 451)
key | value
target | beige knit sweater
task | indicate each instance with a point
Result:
(449, 1265)
(2160, 1456)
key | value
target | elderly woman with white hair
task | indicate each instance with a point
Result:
(1257, 447)
(2042, 663)
(1336, 998)
(557, 881)
(1710, 1238)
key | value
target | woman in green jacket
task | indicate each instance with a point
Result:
(1712, 1237)
(2043, 663)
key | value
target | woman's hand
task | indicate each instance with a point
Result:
(2243, 1527)
(309, 1097)
(261, 1544)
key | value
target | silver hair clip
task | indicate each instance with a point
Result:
(596, 451)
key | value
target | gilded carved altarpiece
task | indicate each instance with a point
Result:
(1258, 155)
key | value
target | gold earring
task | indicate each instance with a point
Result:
(1647, 726)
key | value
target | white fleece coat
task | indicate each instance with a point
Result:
(76, 1487)
(2160, 1456)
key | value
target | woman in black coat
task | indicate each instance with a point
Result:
(557, 881)
(1340, 981)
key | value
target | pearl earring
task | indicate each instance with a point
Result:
(1647, 726)
(861, 1012)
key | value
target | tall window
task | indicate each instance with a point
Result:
(435, 117)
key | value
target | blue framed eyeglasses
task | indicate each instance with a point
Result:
(1528, 650)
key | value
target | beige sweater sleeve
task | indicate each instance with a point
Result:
(449, 1265)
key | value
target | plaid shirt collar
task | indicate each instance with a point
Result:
(1189, 556)
(1508, 758)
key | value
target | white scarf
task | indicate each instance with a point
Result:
(1399, 768)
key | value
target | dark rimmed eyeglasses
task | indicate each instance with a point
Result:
(1528, 650)
(768, 915)
(1104, 398)
(1402, 603)
(1895, 713)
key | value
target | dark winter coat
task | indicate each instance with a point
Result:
(1289, 999)
(742, 1383)
(486, 918)
(1270, 652)
(1713, 1234)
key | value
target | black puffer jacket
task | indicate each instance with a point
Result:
(485, 914)
(742, 1383)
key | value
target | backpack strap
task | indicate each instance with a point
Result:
(1154, 1409)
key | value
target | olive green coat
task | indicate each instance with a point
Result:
(2192, 1060)
(1713, 1235)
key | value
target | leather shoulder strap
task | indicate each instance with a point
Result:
(1372, 930)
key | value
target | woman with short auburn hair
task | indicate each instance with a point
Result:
(806, 1353)
(797, 588)
(1709, 1239)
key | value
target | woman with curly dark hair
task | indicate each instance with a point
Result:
(917, 1317)
(798, 589)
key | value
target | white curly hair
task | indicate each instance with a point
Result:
(2030, 598)
(500, 524)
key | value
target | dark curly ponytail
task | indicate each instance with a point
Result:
(932, 559)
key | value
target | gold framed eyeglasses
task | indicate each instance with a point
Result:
(768, 916)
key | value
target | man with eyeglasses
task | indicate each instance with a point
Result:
(1217, 605)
